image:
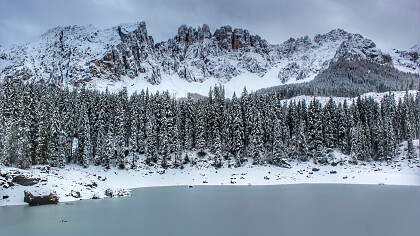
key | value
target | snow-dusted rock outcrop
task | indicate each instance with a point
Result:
(77, 55)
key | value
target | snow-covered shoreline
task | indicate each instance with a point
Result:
(92, 182)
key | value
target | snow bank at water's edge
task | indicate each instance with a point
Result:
(75, 182)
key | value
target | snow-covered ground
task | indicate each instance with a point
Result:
(376, 96)
(180, 88)
(95, 180)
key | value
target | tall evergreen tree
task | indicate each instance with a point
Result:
(315, 127)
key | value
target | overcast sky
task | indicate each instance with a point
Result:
(389, 23)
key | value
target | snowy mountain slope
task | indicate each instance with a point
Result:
(194, 59)
(407, 61)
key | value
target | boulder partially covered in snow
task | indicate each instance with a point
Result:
(117, 192)
(25, 180)
(36, 200)
(75, 194)
(6, 181)
(9, 178)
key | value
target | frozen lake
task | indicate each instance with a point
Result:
(306, 209)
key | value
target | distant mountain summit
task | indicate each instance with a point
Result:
(77, 55)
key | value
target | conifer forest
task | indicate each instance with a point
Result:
(52, 126)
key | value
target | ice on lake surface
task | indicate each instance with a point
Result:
(303, 209)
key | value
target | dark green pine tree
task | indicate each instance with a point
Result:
(278, 146)
(409, 137)
(120, 130)
(416, 112)
(164, 148)
(178, 137)
(330, 124)
(302, 145)
(85, 142)
(388, 139)
(355, 145)
(151, 137)
(217, 162)
(189, 121)
(110, 149)
(315, 127)
(200, 127)
(44, 136)
(134, 129)
(237, 131)
(57, 144)
(257, 142)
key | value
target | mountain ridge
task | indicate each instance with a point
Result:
(83, 55)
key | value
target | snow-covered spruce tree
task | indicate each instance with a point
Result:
(151, 137)
(388, 139)
(278, 146)
(292, 120)
(268, 112)
(409, 137)
(377, 132)
(110, 149)
(302, 145)
(101, 142)
(217, 146)
(257, 142)
(417, 114)
(330, 124)
(341, 129)
(23, 151)
(8, 143)
(57, 145)
(164, 149)
(44, 114)
(32, 122)
(200, 128)
(245, 107)
(120, 129)
(220, 115)
(85, 142)
(22, 148)
(70, 123)
(2, 124)
(141, 123)
(237, 131)
(315, 127)
(134, 129)
(101, 133)
(178, 138)
(355, 146)
(125, 118)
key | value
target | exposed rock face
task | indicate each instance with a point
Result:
(125, 58)
(78, 55)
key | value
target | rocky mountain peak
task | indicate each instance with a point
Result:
(415, 48)
(332, 36)
(191, 35)
(357, 47)
(79, 55)
(238, 38)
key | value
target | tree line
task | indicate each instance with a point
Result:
(52, 126)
